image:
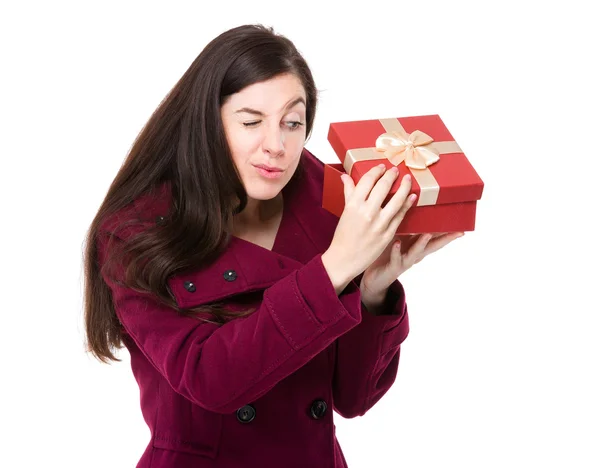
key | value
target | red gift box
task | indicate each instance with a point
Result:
(446, 184)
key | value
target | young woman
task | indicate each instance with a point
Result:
(250, 313)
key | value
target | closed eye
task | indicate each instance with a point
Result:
(292, 125)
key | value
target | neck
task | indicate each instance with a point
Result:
(258, 212)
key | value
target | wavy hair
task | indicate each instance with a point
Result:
(184, 145)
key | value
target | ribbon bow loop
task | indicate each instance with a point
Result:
(399, 146)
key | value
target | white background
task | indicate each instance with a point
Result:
(501, 366)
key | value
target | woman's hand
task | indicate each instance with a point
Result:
(392, 263)
(365, 228)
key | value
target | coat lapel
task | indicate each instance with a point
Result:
(305, 230)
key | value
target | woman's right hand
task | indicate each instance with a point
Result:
(365, 229)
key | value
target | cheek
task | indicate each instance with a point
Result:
(297, 154)
(295, 141)
(243, 145)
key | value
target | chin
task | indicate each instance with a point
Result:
(264, 193)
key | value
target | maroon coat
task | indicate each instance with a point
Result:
(259, 391)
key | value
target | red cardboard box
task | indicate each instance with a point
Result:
(445, 182)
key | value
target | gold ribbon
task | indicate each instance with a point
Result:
(399, 146)
(417, 150)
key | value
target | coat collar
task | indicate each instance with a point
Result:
(246, 267)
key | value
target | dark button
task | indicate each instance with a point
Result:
(230, 275)
(189, 286)
(160, 220)
(246, 414)
(318, 409)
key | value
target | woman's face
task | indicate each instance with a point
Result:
(265, 125)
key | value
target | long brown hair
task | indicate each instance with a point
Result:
(183, 144)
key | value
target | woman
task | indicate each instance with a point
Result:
(249, 312)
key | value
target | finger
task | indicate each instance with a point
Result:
(400, 237)
(399, 201)
(382, 188)
(348, 186)
(366, 182)
(399, 215)
(397, 260)
(417, 250)
(440, 242)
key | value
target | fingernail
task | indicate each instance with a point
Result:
(394, 169)
(412, 198)
(382, 166)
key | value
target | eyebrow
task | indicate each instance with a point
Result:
(249, 110)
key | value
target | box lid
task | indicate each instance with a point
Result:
(448, 179)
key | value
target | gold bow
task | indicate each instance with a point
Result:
(418, 150)
(399, 146)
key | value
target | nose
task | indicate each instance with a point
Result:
(273, 142)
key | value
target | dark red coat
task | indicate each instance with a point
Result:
(259, 391)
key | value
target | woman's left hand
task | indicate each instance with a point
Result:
(378, 277)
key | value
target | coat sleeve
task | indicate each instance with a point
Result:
(223, 367)
(367, 357)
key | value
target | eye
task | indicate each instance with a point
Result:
(294, 125)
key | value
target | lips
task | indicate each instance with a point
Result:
(268, 168)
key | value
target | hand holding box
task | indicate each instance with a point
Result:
(445, 182)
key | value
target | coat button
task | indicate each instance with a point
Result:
(246, 414)
(318, 409)
(230, 275)
(189, 286)
(160, 220)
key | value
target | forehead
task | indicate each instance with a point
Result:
(269, 96)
